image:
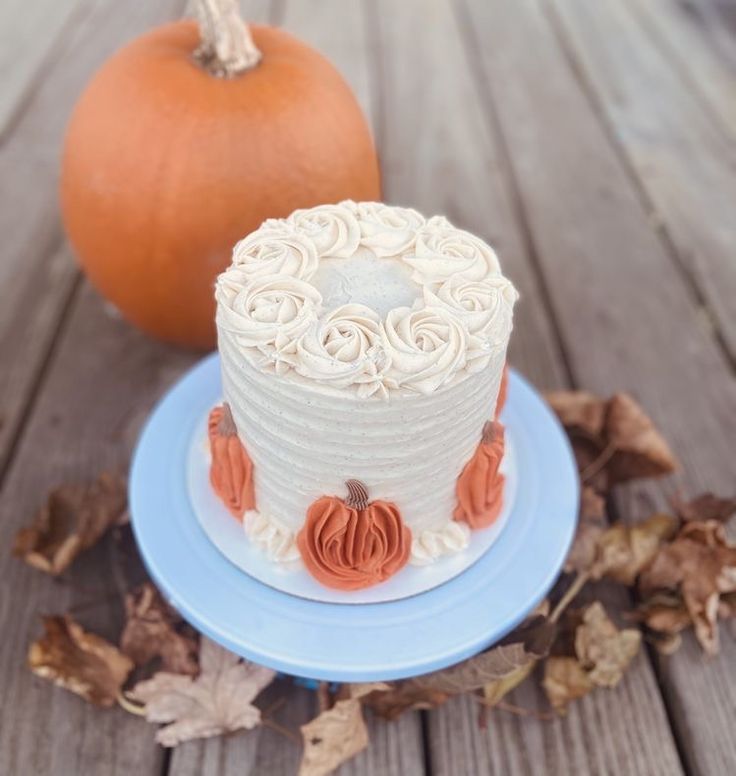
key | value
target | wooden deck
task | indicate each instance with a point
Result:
(593, 143)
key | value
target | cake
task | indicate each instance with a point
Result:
(363, 352)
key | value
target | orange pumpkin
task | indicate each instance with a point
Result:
(480, 486)
(231, 470)
(167, 164)
(351, 544)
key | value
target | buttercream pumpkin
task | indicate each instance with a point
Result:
(231, 470)
(169, 161)
(480, 486)
(353, 543)
(503, 391)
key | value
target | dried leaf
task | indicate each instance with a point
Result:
(705, 507)
(217, 701)
(579, 410)
(500, 666)
(79, 661)
(591, 525)
(73, 519)
(641, 451)
(701, 564)
(495, 691)
(603, 650)
(361, 689)
(664, 613)
(151, 631)
(624, 551)
(333, 737)
(564, 680)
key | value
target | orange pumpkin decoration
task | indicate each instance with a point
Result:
(480, 486)
(175, 152)
(503, 391)
(353, 544)
(231, 471)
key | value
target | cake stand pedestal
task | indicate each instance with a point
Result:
(352, 642)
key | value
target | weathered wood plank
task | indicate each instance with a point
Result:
(627, 320)
(441, 154)
(29, 33)
(36, 273)
(101, 383)
(699, 42)
(681, 158)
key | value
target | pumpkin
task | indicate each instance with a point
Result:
(480, 485)
(231, 470)
(353, 543)
(189, 138)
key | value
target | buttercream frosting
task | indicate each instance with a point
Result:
(432, 544)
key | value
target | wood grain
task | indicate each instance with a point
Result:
(628, 321)
(458, 165)
(681, 159)
(36, 271)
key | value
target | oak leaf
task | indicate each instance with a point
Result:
(74, 517)
(153, 629)
(79, 661)
(701, 564)
(333, 737)
(218, 701)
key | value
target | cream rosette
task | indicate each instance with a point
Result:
(333, 229)
(276, 250)
(388, 231)
(441, 251)
(427, 347)
(345, 348)
(269, 313)
(484, 306)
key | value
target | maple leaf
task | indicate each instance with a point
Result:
(79, 661)
(701, 564)
(500, 668)
(705, 507)
(151, 631)
(74, 517)
(217, 701)
(333, 737)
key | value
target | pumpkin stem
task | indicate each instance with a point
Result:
(357, 495)
(226, 426)
(491, 430)
(227, 48)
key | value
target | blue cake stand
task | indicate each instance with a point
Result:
(359, 642)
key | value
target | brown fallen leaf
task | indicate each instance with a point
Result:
(564, 680)
(151, 631)
(500, 666)
(663, 612)
(701, 564)
(624, 550)
(705, 507)
(579, 410)
(218, 701)
(591, 525)
(640, 450)
(74, 517)
(603, 650)
(336, 735)
(79, 661)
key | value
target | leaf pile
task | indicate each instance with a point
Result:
(679, 565)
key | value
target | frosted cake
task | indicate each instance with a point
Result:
(363, 352)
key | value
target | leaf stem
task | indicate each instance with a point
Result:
(577, 585)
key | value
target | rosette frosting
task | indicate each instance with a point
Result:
(388, 231)
(333, 229)
(276, 251)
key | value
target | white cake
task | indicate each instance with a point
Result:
(361, 342)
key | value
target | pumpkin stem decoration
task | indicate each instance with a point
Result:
(227, 48)
(353, 543)
(480, 486)
(231, 471)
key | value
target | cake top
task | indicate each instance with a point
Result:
(366, 298)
